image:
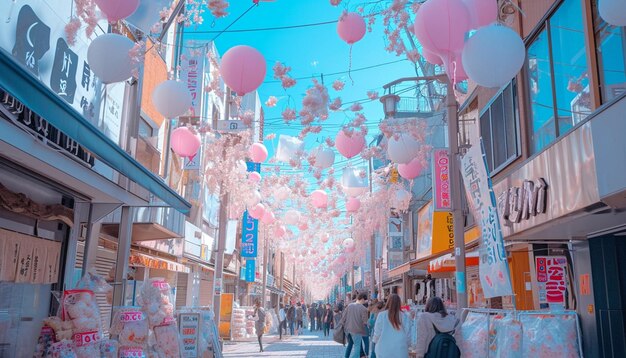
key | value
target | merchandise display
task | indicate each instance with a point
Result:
(130, 325)
(156, 302)
(240, 324)
(549, 335)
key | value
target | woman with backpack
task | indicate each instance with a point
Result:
(391, 331)
(435, 331)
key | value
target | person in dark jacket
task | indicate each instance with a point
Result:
(291, 318)
(327, 319)
(320, 313)
(312, 316)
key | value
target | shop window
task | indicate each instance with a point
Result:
(558, 76)
(147, 152)
(499, 129)
(611, 53)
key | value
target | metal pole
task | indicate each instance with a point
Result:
(265, 254)
(219, 254)
(455, 191)
(372, 246)
(282, 276)
(123, 254)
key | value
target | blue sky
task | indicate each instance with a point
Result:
(309, 51)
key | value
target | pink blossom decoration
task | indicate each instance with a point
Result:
(271, 101)
(356, 107)
(338, 85)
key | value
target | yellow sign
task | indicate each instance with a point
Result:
(424, 231)
(393, 176)
(226, 311)
(443, 232)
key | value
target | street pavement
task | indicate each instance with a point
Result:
(306, 345)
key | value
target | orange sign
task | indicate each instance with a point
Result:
(585, 285)
(226, 312)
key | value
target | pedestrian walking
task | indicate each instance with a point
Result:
(375, 309)
(327, 318)
(354, 321)
(291, 317)
(319, 313)
(312, 316)
(336, 317)
(392, 330)
(436, 331)
(305, 316)
(259, 324)
(298, 318)
(282, 317)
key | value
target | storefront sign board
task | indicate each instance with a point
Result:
(551, 278)
(189, 330)
(493, 267)
(441, 179)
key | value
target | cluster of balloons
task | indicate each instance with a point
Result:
(491, 57)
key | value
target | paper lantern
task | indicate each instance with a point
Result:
(268, 217)
(349, 145)
(116, 10)
(109, 58)
(353, 205)
(482, 12)
(279, 231)
(319, 199)
(171, 98)
(291, 217)
(254, 177)
(403, 148)
(351, 27)
(411, 170)
(243, 69)
(257, 211)
(493, 55)
(184, 142)
(432, 57)
(324, 157)
(258, 152)
(348, 242)
(613, 11)
(353, 182)
(148, 14)
(288, 148)
(440, 25)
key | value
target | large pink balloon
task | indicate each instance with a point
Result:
(258, 152)
(254, 177)
(440, 25)
(243, 69)
(257, 211)
(184, 142)
(349, 146)
(411, 170)
(319, 199)
(268, 218)
(482, 12)
(117, 9)
(351, 27)
(353, 204)
(432, 57)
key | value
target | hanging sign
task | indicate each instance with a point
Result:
(441, 180)
(493, 267)
(189, 329)
(250, 270)
(250, 228)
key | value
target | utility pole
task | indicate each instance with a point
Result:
(372, 244)
(265, 254)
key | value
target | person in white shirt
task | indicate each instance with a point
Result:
(392, 331)
(282, 317)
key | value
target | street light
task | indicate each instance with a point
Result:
(390, 105)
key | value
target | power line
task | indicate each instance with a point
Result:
(264, 28)
(344, 72)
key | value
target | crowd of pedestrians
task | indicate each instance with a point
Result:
(377, 329)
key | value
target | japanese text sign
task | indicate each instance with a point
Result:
(441, 180)
(552, 278)
(250, 229)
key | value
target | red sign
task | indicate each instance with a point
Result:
(86, 338)
(552, 278)
(441, 180)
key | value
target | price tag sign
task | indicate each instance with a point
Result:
(131, 352)
(189, 327)
(131, 316)
(161, 285)
(86, 338)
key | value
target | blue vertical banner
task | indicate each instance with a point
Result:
(250, 270)
(250, 226)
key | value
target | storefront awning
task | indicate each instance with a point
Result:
(35, 95)
(137, 259)
(446, 263)
(397, 271)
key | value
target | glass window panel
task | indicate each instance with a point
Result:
(610, 49)
(485, 132)
(569, 58)
(510, 112)
(498, 135)
(540, 89)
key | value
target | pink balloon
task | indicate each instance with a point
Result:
(353, 204)
(351, 27)
(117, 9)
(303, 226)
(243, 69)
(279, 231)
(254, 177)
(268, 218)
(258, 152)
(349, 146)
(257, 211)
(411, 170)
(319, 199)
(440, 25)
(184, 142)
(432, 57)
(454, 68)
(482, 12)
(325, 238)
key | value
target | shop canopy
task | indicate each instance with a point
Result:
(35, 95)
(446, 263)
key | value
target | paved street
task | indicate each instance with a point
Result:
(308, 344)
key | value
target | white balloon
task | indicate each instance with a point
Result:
(109, 58)
(613, 12)
(348, 243)
(291, 217)
(254, 199)
(171, 98)
(288, 148)
(353, 183)
(282, 193)
(401, 199)
(404, 149)
(493, 55)
(324, 157)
